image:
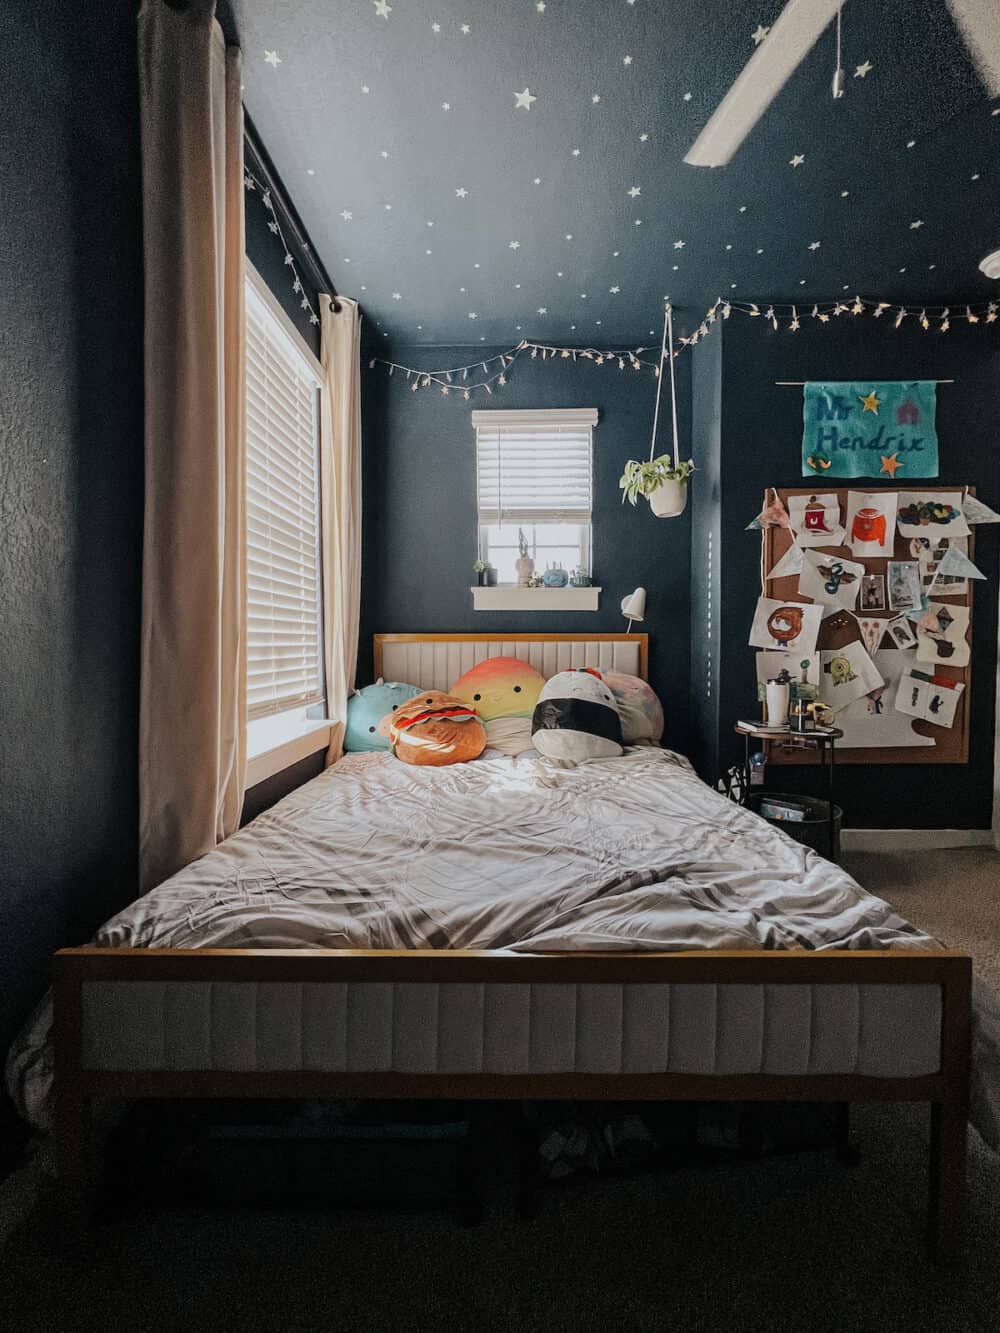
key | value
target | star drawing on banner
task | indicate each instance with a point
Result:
(759, 33)
(890, 465)
(869, 403)
(524, 100)
(634, 192)
(797, 160)
(272, 58)
(861, 71)
(382, 9)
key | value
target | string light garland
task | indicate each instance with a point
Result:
(251, 184)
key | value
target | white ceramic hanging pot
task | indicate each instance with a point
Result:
(669, 499)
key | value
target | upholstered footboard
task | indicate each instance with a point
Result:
(839, 1026)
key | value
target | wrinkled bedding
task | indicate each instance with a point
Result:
(632, 853)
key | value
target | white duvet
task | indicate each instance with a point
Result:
(629, 853)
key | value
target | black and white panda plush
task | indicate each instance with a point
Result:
(576, 718)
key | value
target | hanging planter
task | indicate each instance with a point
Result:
(664, 480)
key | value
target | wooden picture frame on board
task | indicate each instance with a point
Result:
(951, 744)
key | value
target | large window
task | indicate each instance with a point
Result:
(535, 474)
(284, 602)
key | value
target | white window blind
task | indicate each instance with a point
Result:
(534, 479)
(284, 606)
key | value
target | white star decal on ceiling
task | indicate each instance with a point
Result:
(365, 88)
(643, 138)
(814, 245)
(383, 153)
(465, 29)
(638, 222)
(760, 250)
(688, 96)
(916, 225)
(634, 192)
(626, 60)
(797, 160)
(428, 252)
(540, 6)
(576, 152)
(678, 245)
(435, 27)
(743, 208)
(538, 180)
(272, 58)
(445, 106)
(569, 236)
(595, 98)
(614, 290)
(524, 100)
(310, 171)
(347, 215)
(461, 192)
(844, 194)
(541, 310)
(759, 33)
(382, 9)
(559, 274)
(911, 143)
(862, 70)
(514, 245)
(388, 208)
(729, 247)
(397, 296)
(472, 313)
(974, 176)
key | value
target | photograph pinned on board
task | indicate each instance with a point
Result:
(928, 697)
(931, 514)
(803, 672)
(873, 592)
(830, 580)
(929, 552)
(871, 523)
(871, 721)
(815, 520)
(790, 626)
(789, 565)
(941, 635)
(900, 631)
(903, 578)
(954, 570)
(848, 673)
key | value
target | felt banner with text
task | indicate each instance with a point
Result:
(865, 429)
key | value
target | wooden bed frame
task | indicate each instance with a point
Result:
(946, 1090)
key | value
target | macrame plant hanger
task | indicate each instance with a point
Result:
(669, 498)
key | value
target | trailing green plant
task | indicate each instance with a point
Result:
(480, 567)
(644, 478)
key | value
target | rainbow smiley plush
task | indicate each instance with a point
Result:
(500, 687)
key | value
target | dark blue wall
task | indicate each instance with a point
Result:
(70, 478)
(420, 526)
(761, 432)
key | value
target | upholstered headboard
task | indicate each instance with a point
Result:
(435, 661)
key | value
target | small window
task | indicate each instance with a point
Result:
(284, 599)
(535, 475)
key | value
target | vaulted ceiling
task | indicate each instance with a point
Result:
(485, 170)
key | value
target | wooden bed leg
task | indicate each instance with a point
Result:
(947, 1182)
(846, 1149)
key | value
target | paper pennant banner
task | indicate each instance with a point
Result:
(871, 633)
(789, 565)
(955, 564)
(773, 515)
(976, 512)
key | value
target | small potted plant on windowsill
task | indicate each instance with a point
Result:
(663, 482)
(482, 572)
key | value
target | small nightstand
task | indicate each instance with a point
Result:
(825, 742)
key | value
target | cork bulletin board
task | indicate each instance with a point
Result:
(951, 744)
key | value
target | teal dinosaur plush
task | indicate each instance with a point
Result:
(367, 707)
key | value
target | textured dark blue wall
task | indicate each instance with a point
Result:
(760, 446)
(70, 480)
(420, 511)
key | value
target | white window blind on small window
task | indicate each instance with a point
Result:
(284, 606)
(534, 467)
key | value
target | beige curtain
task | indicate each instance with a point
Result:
(340, 482)
(192, 732)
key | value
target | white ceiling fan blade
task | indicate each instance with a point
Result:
(790, 40)
(979, 23)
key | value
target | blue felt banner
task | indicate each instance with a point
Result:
(864, 429)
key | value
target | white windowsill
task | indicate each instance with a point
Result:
(511, 598)
(278, 741)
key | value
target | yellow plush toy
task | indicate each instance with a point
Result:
(434, 729)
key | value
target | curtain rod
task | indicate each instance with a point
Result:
(799, 384)
(299, 235)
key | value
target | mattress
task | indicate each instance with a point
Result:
(528, 855)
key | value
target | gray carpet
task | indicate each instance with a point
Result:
(790, 1243)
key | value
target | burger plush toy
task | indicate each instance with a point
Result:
(434, 729)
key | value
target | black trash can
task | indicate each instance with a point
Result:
(813, 829)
